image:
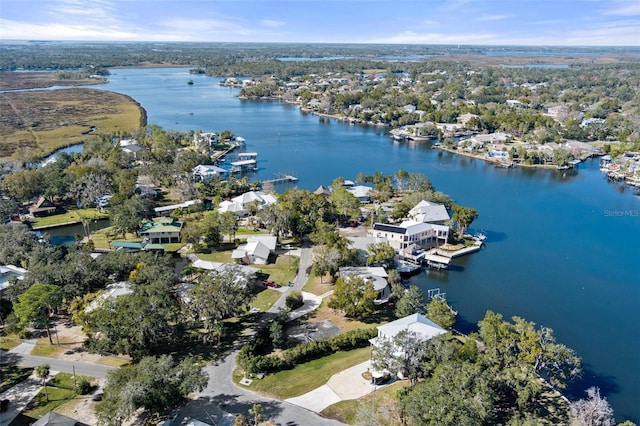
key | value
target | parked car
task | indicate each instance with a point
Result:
(271, 284)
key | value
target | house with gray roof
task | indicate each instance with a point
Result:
(376, 274)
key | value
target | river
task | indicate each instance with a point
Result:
(562, 247)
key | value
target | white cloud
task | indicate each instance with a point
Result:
(624, 9)
(410, 37)
(271, 23)
(11, 30)
(493, 17)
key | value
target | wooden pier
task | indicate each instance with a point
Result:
(281, 178)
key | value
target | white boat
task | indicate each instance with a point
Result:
(407, 268)
(480, 236)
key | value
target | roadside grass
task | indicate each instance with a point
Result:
(114, 361)
(9, 342)
(71, 216)
(65, 381)
(314, 286)
(265, 298)
(39, 406)
(12, 375)
(347, 411)
(44, 348)
(305, 377)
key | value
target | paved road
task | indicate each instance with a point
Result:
(20, 355)
(222, 394)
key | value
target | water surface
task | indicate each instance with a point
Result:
(562, 248)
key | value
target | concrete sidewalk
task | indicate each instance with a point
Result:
(19, 396)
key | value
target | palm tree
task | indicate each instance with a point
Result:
(42, 372)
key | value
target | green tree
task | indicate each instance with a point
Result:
(139, 324)
(456, 394)
(126, 216)
(464, 216)
(256, 412)
(229, 224)
(411, 302)
(353, 296)
(156, 384)
(381, 254)
(326, 260)
(217, 296)
(36, 305)
(346, 204)
(441, 313)
(42, 373)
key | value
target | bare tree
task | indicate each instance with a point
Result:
(592, 411)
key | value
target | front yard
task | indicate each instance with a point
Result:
(305, 377)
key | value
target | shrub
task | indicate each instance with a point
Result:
(294, 300)
(83, 387)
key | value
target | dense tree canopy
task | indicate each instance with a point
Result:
(155, 384)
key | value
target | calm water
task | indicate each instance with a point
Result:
(562, 248)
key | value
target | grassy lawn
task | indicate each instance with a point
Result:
(216, 256)
(70, 216)
(308, 376)
(114, 361)
(60, 390)
(346, 411)
(102, 237)
(284, 270)
(265, 299)
(39, 406)
(12, 375)
(45, 348)
(65, 380)
(9, 342)
(313, 285)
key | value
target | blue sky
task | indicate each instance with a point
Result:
(520, 22)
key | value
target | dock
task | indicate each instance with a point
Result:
(281, 178)
(243, 166)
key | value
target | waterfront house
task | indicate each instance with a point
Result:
(423, 235)
(42, 207)
(417, 325)
(131, 146)
(233, 207)
(8, 271)
(204, 172)
(361, 192)
(376, 274)
(497, 154)
(162, 230)
(429, 212)
(257, 198)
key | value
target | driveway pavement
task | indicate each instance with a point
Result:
(347, 384)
